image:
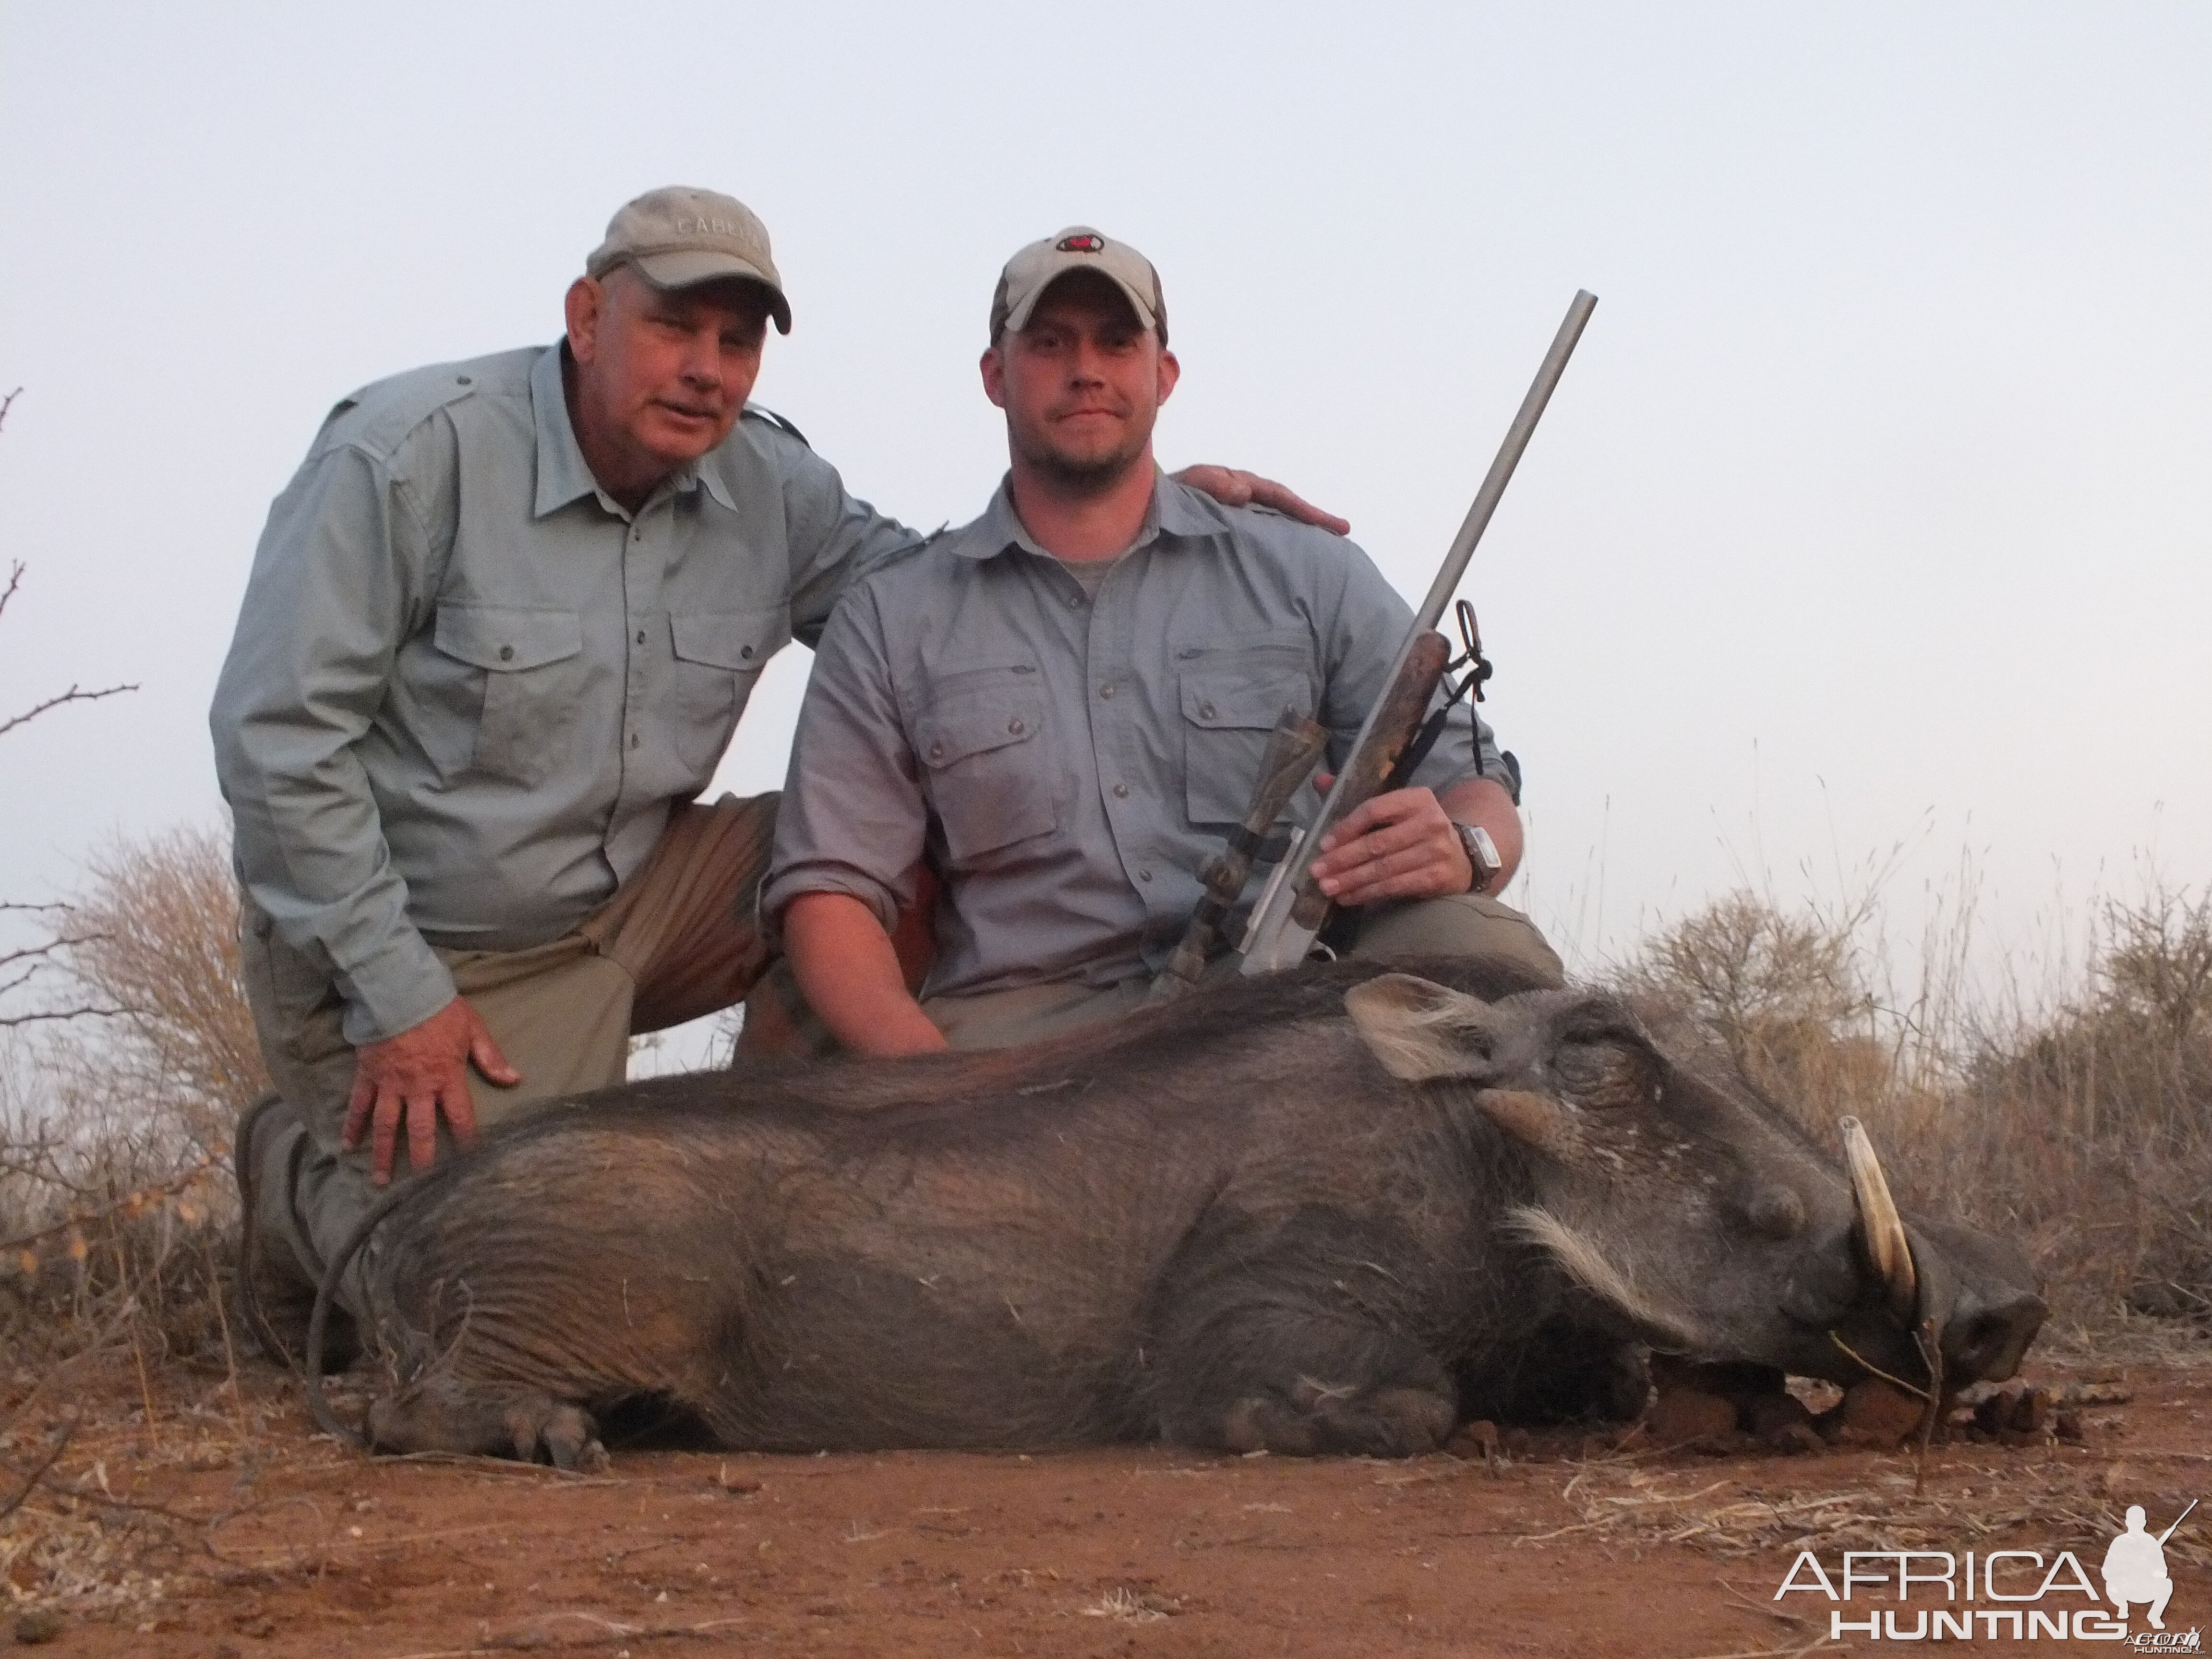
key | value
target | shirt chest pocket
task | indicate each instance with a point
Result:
(1228, 715)
(718, 656)
(990, 779)
(533, 662)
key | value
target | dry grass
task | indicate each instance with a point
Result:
(1966, 1504)
(116, 1207)
(117, 1212)
(2082, 1127)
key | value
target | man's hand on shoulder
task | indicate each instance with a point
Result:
(410, 1079)
(1234, 489)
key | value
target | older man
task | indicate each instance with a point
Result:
(1060, 711)
(499, 630)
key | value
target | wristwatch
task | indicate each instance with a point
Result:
(1481, 852)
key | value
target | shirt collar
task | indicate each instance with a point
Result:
(1000, 529)
(564, 475)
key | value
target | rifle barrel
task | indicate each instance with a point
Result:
(1274, 940)
(1501, 469)
(2178, 1519)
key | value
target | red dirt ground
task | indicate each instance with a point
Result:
(224, 1530)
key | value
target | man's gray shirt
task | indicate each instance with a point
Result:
(1068, 765)
(466, 685)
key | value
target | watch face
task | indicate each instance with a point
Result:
(1481, 852)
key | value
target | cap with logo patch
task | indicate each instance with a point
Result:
(1079, 247)
(677, 237)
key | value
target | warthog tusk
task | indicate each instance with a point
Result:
(1885, 1228)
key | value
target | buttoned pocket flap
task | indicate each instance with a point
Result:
(975, 726)
(1228, 715)
(1219, 700)
(735, 639)
(506, 640)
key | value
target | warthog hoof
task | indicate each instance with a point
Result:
(442, 1415)
(1391, 1421)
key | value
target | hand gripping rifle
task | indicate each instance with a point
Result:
(1292, 909)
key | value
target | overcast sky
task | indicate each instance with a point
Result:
(1875, 508)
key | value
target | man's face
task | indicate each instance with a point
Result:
(661, 374)
(1081, 383)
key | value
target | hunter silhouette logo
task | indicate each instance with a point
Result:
(1082, 244)
(2135, 1568)
(2005, 1595)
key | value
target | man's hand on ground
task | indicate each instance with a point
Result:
(412, 1078)
(1234, 489)
(1396, 846)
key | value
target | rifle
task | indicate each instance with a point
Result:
(2178, 1519)
(1294, 749)
(1292, 909)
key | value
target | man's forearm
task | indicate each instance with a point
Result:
(1485, 802)
(333, 591)
(850, 975)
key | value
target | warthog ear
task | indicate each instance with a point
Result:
(1420, 1030)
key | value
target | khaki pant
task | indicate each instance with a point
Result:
(677, 942)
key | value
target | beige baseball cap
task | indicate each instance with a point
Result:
(676, 236)
(1079, 247)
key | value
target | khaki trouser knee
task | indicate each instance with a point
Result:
(1460, 925)
(1457, 925)
(677, 942)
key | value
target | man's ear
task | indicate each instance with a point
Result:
(1420, 1030)
(993, 365)
(1171, 372)
(587, 300)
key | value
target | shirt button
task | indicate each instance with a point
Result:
(1017, 727)
(1107, 690)
(633, 739)
(460, 380)
(1122, 790)
(641, 636)
(1144, 875)
(1075, 598)
(746, 652)
(1205, 711)
(507, 653)
(937, 752)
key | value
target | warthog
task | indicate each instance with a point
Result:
(1332, 1210)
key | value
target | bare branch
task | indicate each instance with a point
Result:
(75, 694)
(86, 1012)
(70, 696)
(7, 403)
(129, 1204)
(35, 953)
(61, 1440)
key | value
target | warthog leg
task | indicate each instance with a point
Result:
(1258, 1349)
(442, 1414)
(1390, 1420)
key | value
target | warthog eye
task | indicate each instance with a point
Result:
(1606, 1073)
